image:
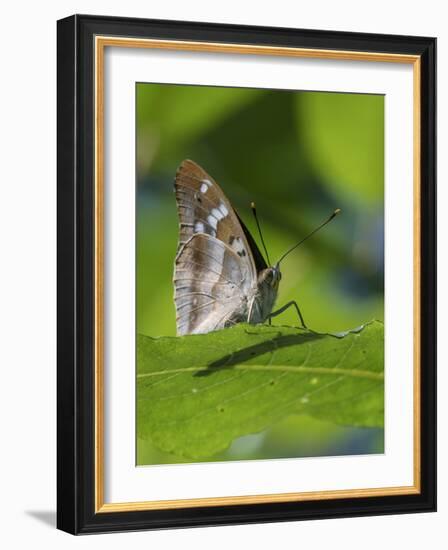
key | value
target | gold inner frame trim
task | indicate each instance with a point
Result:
(101, 42)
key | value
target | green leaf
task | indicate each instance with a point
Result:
(197, 393)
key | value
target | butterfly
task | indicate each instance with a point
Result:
(220, 276)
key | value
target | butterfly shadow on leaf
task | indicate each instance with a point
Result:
(269, 346)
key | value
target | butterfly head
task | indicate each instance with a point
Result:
(271, 276)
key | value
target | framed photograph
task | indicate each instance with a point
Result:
(246, 274)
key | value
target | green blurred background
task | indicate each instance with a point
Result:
(298, 155)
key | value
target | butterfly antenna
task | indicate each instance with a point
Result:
(254, 212)
(335, 213)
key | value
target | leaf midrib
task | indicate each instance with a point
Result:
(274, 368)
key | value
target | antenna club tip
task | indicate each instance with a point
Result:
(337, 211)
(252, 205)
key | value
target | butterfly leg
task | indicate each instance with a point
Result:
(284, 308)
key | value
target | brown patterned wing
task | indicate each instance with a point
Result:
(203, 208)
(210, 284)
(214, 267)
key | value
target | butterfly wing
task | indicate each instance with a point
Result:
(209, 281)
(214, 267)
(259, 260)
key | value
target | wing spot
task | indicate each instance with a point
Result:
(212, 221)
(217, 213)
(223, 209)
(205, 186)
(238, 247)
(199, 227)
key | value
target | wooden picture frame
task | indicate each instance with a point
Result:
(82, 41)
